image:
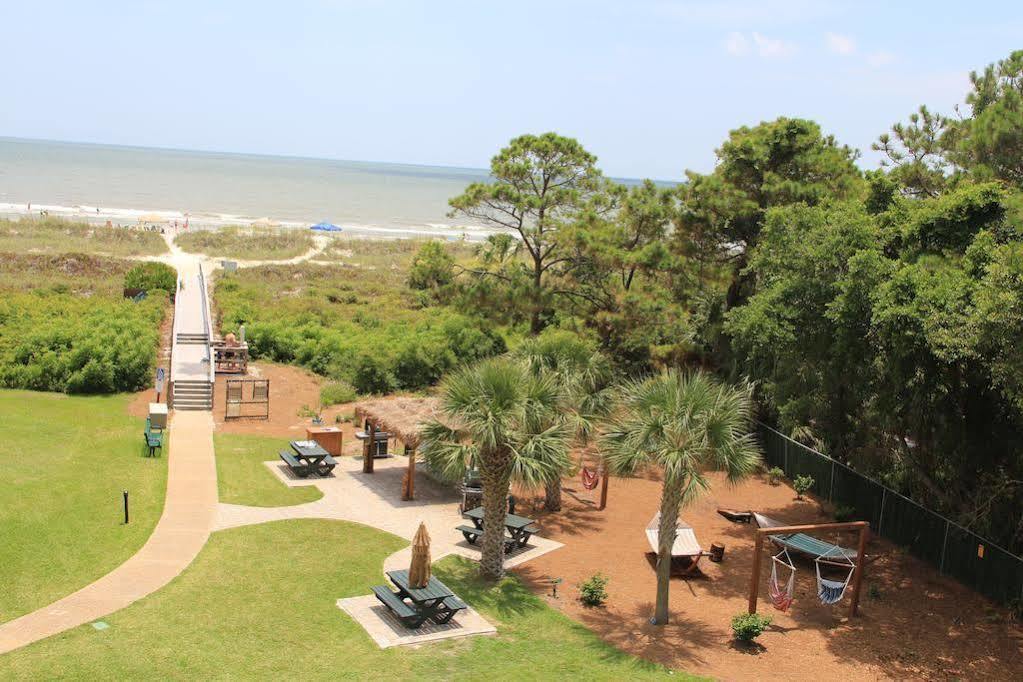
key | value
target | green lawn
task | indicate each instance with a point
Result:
(242, 478)
(63, 464)
(259, 603)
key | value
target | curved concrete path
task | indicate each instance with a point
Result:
(188, 516)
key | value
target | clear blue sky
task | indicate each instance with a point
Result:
(651, 87)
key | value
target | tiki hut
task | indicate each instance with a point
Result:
(403, 418)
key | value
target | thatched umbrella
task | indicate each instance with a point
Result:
(419, 570)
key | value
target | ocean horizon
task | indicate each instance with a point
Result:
(126, 185)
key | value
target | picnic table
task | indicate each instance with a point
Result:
(306, 457)
(414, 606)
(519, 528)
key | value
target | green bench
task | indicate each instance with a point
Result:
(323, 467)
(153, 437)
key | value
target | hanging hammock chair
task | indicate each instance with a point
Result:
(782, 598)
(590, 477)
(831, 591)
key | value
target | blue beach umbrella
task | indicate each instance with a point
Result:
(325, 227)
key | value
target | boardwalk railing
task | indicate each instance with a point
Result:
(955, 551)
(207, 320)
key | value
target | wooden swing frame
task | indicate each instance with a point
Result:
(864, 532)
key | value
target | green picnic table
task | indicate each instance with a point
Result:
(414, 606)
(519, 528)
(306, 457)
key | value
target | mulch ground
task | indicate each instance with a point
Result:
(913, 623)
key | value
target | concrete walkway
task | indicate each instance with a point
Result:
(375, 500)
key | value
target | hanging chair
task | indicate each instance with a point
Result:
(782, 598)
(831, 591)
(590, 477)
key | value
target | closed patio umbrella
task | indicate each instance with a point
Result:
(419, 570)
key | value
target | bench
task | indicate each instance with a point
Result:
(408, 616)
(153, 438)
(452, 606)
(301, 470)
(326, 466)
(471, 533)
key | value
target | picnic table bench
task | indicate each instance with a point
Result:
(519, 528)
(307, 457)
(153, 437)
(414, 606)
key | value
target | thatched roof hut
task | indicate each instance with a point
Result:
(401, 417)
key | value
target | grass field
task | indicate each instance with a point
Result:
(52, 236)
(259, 603)
(63, 464)
(253, 243)
(242, 478)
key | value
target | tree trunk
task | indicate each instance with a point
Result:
(552, 501)
(496, 481)
(535, 323)
(671, 500)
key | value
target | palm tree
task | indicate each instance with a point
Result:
(683, 424)
(586, 380)
(508, 423)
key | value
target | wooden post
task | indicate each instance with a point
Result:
(410, 492)
(754, 583)
(854, 603)
(368, 449)
(603, 490)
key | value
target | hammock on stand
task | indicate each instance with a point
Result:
(590, 477)
(782, 598)
(831, 591)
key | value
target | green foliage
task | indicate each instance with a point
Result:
(844, 513)
(150, 276)
(774, 475)
(802, 484)
(56, 236)
(370, 375)
(432, 269)
(748, 626)
(337, 393)
(593, 590)
(247, 243)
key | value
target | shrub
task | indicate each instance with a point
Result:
(370, 375)
(593, 591)
(774, 475)
(802, 485)
(150, 276)
(748, 626)
(337, 393)
(844, 512)
(432, 268)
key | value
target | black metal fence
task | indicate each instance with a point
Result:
(953, 550)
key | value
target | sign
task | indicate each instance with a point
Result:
(160, 375)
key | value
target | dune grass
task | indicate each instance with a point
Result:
(242, 478)
(260, 603)
(53, 235)
(247, 243)
(63, 464)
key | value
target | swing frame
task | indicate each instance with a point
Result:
(761, 533)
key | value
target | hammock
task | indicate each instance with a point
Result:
(590, 478)
(831, 591)
(782, 598)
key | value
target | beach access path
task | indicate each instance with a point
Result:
(189, 513)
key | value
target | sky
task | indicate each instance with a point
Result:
(651, 87)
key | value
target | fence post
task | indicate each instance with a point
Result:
(785, 454)
(944, 545)
(831, 493)
(880, 517)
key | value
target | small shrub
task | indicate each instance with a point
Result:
(844, 512)
(432, 268)
(337, 393)
(593, 591)
(370, 375)
(748, 626)
(150, 276)
(802, 485)
(774, 475)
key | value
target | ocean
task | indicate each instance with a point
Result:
(133, 185)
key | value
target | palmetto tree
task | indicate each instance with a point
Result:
(509, 425)
(585, 378)
(683, 424)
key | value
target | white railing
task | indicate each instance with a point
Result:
(207, 324)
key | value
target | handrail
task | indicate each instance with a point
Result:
(207, 325)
